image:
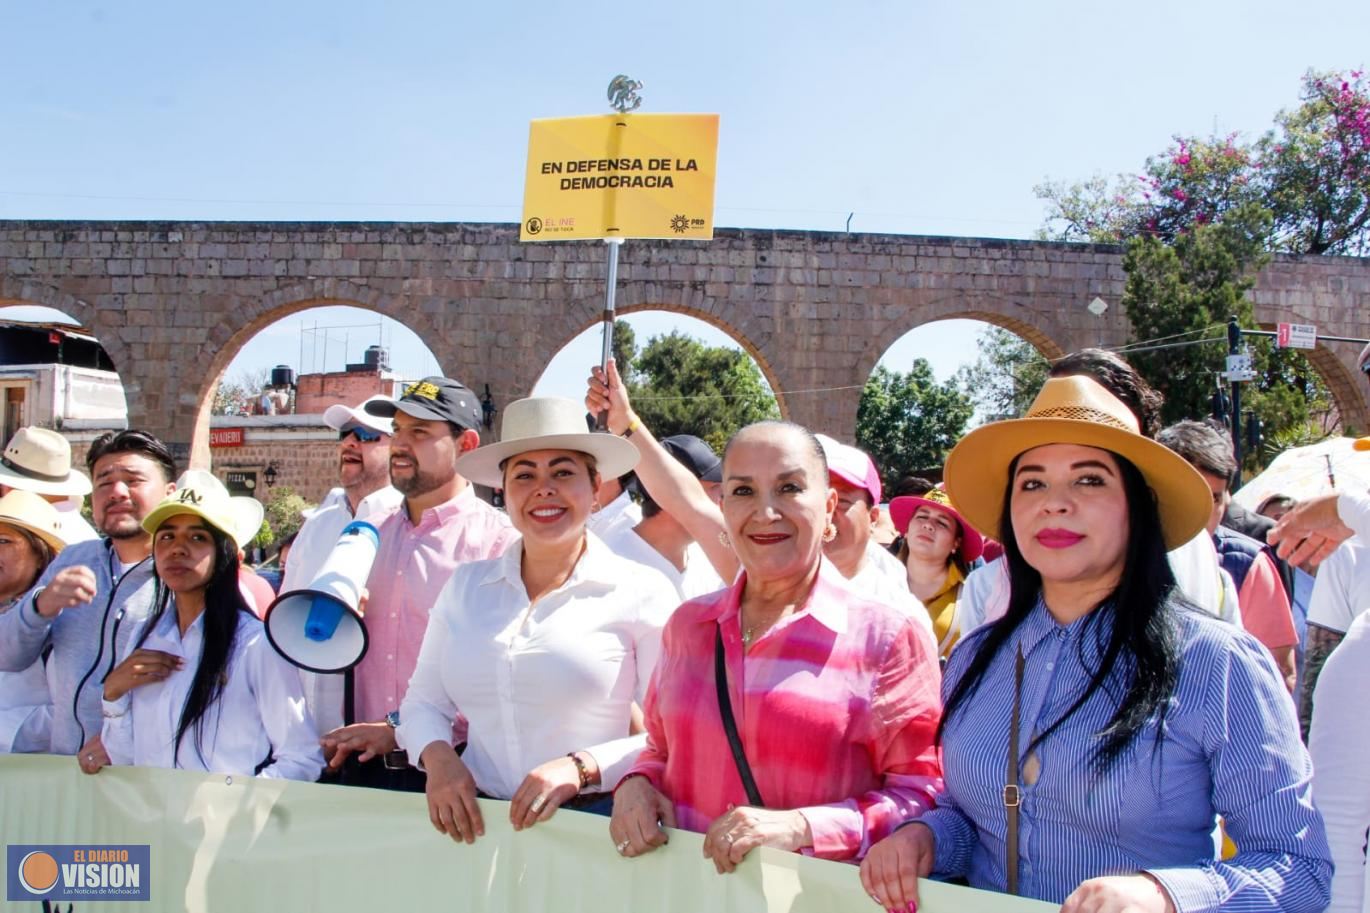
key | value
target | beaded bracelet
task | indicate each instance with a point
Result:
(581, 769)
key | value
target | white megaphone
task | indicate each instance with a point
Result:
(320, 628)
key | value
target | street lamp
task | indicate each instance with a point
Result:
(270, 474)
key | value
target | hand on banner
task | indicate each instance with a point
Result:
(1311, 531)
(640, 814)
(373, 740)
(142, 667)
(69, 587)
(542, 792)
(452, 805)
(93, 756)
(742, 829)
(891, 869)
(1119, 894)
(607, 392)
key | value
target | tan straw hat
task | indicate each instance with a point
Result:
(200, 493)
(39, 460)
(1074, 410)
(546, 423)
(31, 513)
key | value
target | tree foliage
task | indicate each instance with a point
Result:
(1006, 375)
(679, 385)
(1317, 168)
(1185, 291)
(908, 422)
(284, 515)
(238, 395)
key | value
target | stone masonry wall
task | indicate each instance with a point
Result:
(174, 302)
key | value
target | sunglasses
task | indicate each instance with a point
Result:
(365, 435)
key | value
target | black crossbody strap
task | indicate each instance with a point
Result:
(725, 710)
(1012, 794)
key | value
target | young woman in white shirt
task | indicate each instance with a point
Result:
(543, 651)
(202, 688)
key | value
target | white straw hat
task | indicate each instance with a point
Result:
(39, 460)
(546, 423)
(29, 512)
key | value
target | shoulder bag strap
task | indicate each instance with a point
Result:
(725, 710)
(1012, 795)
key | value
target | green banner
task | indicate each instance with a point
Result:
(239, 844)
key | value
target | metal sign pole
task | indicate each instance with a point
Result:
(623, 97)
(610, 286)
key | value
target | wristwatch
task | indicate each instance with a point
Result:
(393, 719)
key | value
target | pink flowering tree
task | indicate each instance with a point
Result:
(1315, 168)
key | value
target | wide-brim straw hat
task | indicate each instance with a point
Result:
(200, 493)
(27, 511)
(39, 460)
(904, 507)
(1074, 410)
(546, 423)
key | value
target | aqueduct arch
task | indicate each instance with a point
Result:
(584, 317)
(171, 301)
(240, 321)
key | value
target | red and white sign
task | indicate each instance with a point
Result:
(226, 437)
(1296, 336)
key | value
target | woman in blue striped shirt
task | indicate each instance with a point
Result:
(1095, 733)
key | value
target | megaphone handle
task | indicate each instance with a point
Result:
(349, 698)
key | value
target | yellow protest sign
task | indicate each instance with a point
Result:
(621, 176)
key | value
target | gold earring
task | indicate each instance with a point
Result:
(829, 532)
(723, 540)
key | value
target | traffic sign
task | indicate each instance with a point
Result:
(1296, 336)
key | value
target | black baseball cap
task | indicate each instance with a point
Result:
(695, 455)
(434, 399)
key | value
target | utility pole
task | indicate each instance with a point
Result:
(1234, 342)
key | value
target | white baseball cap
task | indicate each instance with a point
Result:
(339, 417)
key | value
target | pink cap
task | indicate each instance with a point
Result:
(851, 466)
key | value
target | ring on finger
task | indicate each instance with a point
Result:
(539, 802)
(729, 838)
(621, 846)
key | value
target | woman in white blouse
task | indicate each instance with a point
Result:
(542, 651)
(201, 688)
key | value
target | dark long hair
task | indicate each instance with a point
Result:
(223, 602)
(1133, 628)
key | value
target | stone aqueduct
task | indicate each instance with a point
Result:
(172, 303)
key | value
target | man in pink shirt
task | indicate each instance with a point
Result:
(440, 524)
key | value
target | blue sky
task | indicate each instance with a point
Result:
(920, 118)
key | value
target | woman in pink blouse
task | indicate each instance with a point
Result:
(834, 696)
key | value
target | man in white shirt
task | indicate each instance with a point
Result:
(364, 473)
(1341, 592)
(660, 541)
(852, 473)
(38, 460)
(364, 478)
(617, 509)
